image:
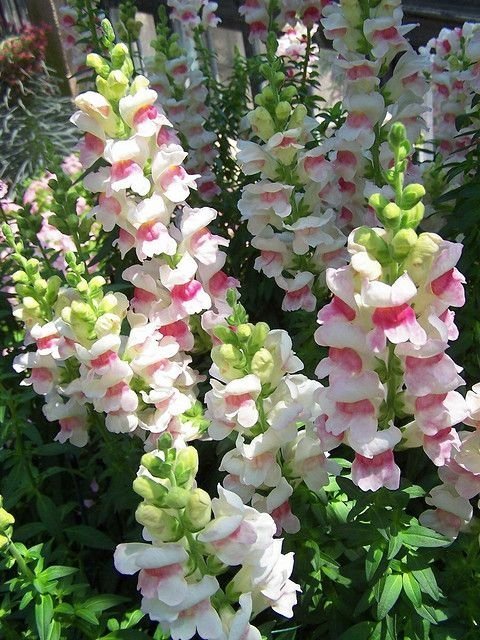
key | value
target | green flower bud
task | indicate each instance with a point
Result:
(97, 282)
(186, 466)
(225, 334)
(288, 93)
(6, 519)
(176, 498)
(107, 324)
(119, 54)
(20, 276)
(259, 333)
(279, 77)
(3, 542)
(261, 123)
(244, 331)
(99, 64)
(53, 285)
(40, 285)
(263, 365)
(149, 490)
(373, 243)
(267, 94)
(229, 360)
(411, 196)
(397, 134)
(117, 83)
(421, 256)
(402, 243)
(165, 441)
(414, 216)
(391, 212)
(82, 320)
(198, 511)
(157, 467)
(159, 523)
(283, 111)
(107, 30)
(298, 116)
(102, 86)
(378, 202)
(30, 303)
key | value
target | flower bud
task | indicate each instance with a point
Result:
(391, 212)
(263, 365)
(261, 123)
(288, 93)
(107, 324)
(378, 202)
(373, 243)
(198, 510)
(283, 111)
(6, 519)
(157, 467)
(165, 441)
(225, 334)
(229, 360)
(411, 196)
(176, 498)
(298, 116)
(403, 241)
(186, 466)
(149, 490)
(397, 134)
(259, 333)
(117, 83)
(40, 286)
(414, 216)
(244, 331)
(118, 55)
(30, 303)
(99, 64)
(421, 256)
(158, 523)
(20, 276)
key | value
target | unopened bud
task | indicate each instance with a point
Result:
(157, 467)
(261, 123)
(198, 510)
(244, 331)
(411, 196)
(263, 365)
(391, 212)
(117, 83)
(298, 116)
(99, 64)
(283, 110)
(6, 519)
(176, 498)
(373, 243)
(186, 467)
(20, 276)
(30, 303)
(403, 241)
(397, 134)
(413, 216)
(378, 202)
(118, 55)
(149, 490)
(159, 523)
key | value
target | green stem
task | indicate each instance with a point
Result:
(306, 60)
(17, 556)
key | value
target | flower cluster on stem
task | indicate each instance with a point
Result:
(189, 552)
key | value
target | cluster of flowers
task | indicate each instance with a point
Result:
(194, 13)
(455, 78)
(294, 46)
(258, 398)
(74, 19)
(257, 16)
(37, 197)
(141, 380)
(22, 54)
(387, 329)
(290, 227)
(188, 551)
(326, 192)
(183, 94)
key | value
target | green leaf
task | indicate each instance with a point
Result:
(361, 631)
(395, 543)
(89, 537)
(27, 598)
(372, 561)
(102, 602)
(44, 616)
(55, 572)
(86, 615)
(55, 631)
(418, 536)
(389, 593)
(49, 514)
(412, 590)
(428, 584)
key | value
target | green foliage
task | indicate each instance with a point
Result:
(34, 129)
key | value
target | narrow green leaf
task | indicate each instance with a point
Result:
(86, 615)
(391, 589)
(428, 584)
(102, 602)
(418, 536)
(44, 616)
(372, 561)
(89, 537)
(55, 572)
(412, 589)
(361, 631)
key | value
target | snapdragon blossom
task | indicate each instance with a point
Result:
(141, 381)
(387, 327)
